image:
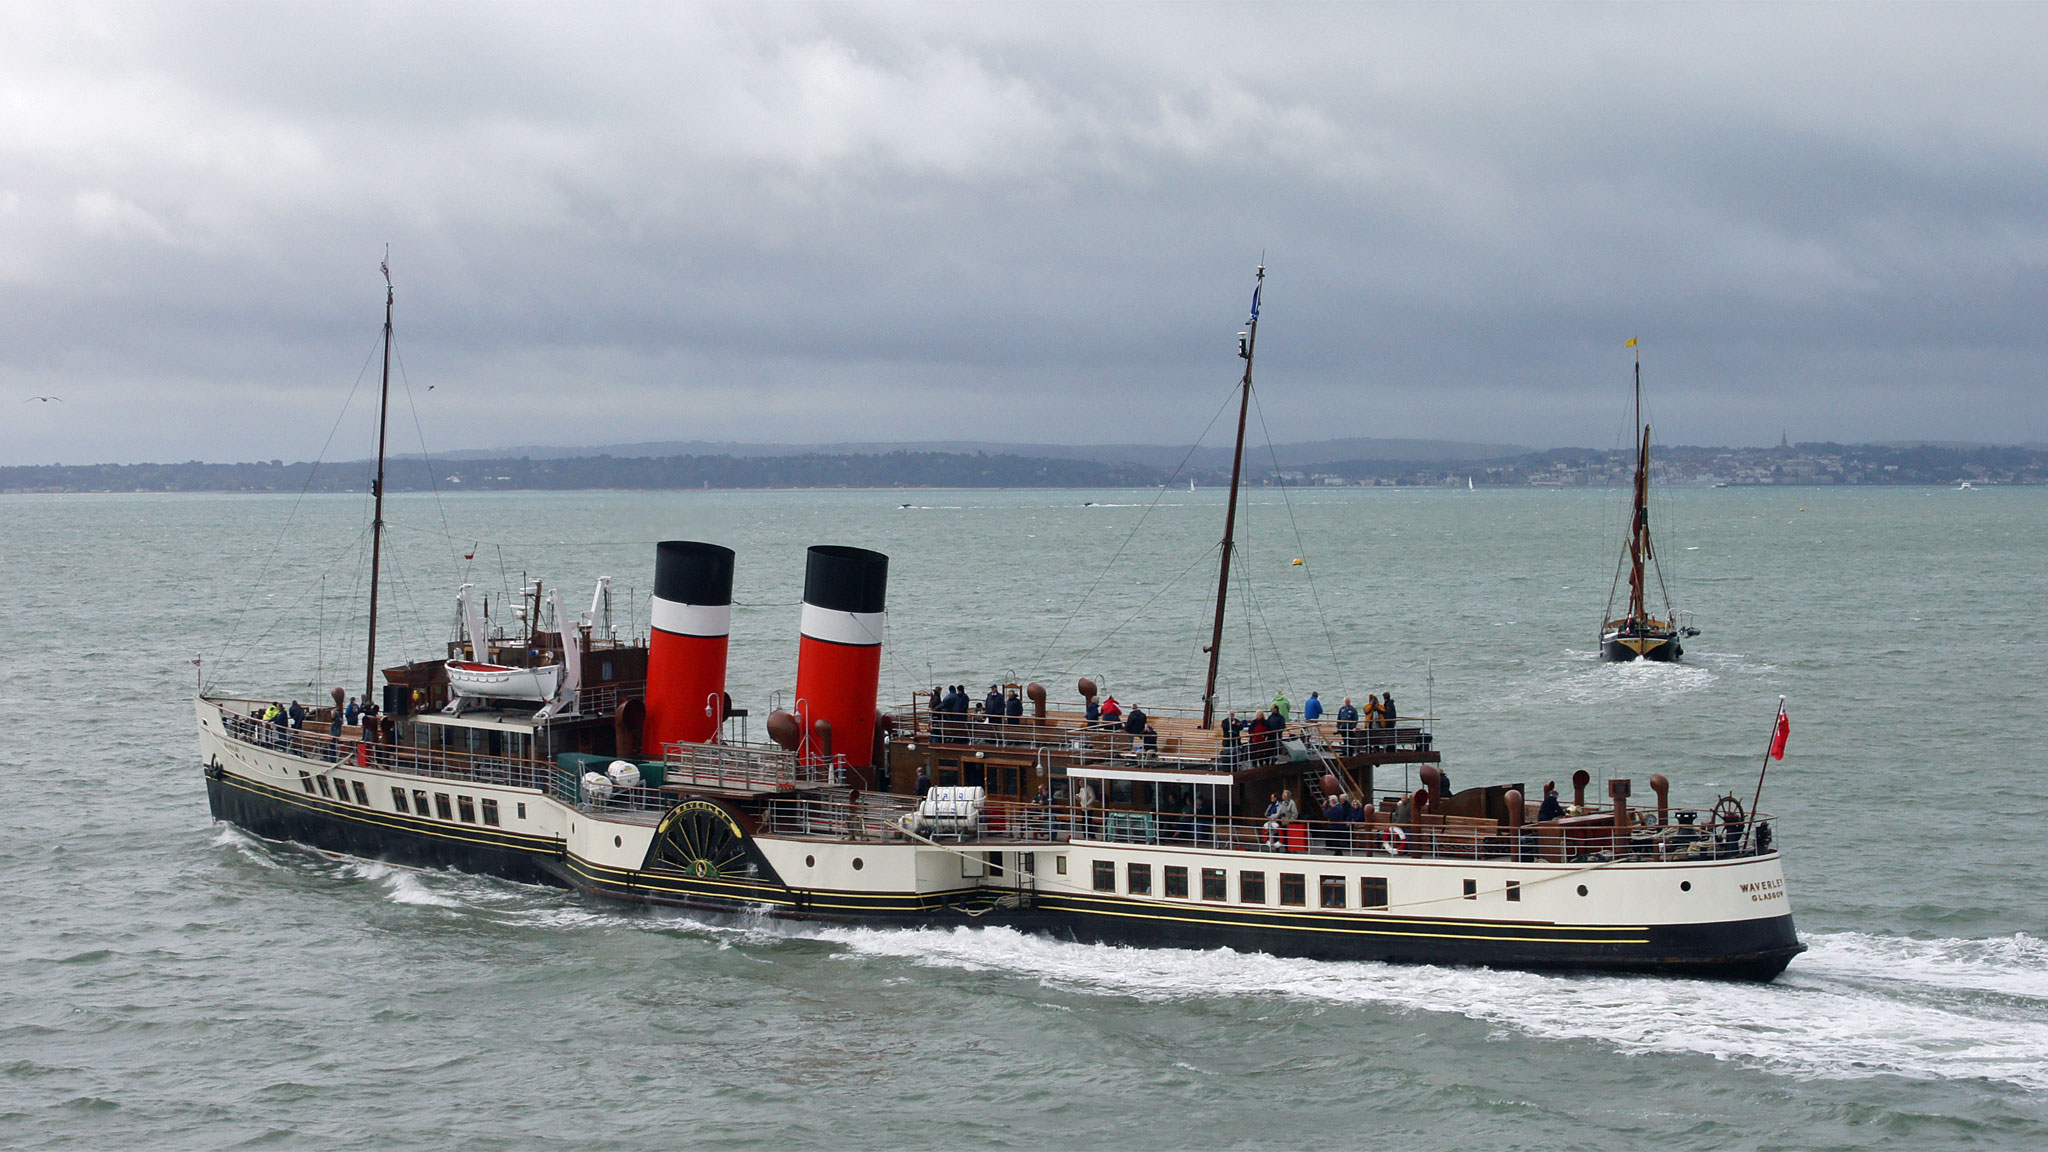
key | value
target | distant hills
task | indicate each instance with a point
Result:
(1155, 455)
(1407, 463)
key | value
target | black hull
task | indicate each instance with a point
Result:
(275, 814)
(1755, 950)
(1667, 651)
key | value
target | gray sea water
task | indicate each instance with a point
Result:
(166, 982)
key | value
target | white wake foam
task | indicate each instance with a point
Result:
(1845, 1011)
(403, 885)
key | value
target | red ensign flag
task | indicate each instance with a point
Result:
(1784, 731)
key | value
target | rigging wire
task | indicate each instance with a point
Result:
(231, 656)
(1163, 589)
(353, 546)
(427, 460)
(1336, 662)
(1132, 535)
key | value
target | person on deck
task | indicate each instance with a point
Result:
(1551, 809)
(350, 713)
(992, 705)
(1312, 708)
(1279, 814)
(1233, 746)
(1354, 815)
(1282, 706)
(1388, 715)
(1013, 708)
(1333, 819)
(1372, 720)
(1255, 737)
(924, 781)
(1347, 727)
(297, 714)
(1112, 712)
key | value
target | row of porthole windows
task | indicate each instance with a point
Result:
(1333, 891)
(463, 808)
(812, 862)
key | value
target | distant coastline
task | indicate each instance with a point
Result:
(1804, 465)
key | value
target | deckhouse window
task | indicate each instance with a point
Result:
(306, 781)
(398, 799)
(1105, 876)
(1514, 891)
(490, 811)
(1215, 884)
(419, 802)
(1177, 881)
(362, 794)
(1334, 888)
(1293, 889)
(441, 806)
(467, 807)
(1251, 887)
(1139, 880)
(1372, 892)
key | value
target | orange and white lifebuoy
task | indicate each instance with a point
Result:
(1396, 839)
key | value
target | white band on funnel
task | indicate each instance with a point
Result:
(861, 628)
(691, 619)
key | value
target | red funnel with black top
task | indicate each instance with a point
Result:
(692, 620)
(839, 662)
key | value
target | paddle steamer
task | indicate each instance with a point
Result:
(561, 753)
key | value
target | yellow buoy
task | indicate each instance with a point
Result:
(1297, 559)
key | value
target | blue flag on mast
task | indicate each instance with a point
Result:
(1254, 319)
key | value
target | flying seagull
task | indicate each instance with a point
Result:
(44, 399)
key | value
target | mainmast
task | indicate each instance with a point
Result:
(1639, 529)
(377, 487)
(1247, 343)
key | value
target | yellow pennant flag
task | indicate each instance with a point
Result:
(1631, 343)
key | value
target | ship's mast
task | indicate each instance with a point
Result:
(377, 488)
(1247, 344)
(1639, 530)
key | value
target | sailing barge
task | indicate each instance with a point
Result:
(1638, 634)
(628, 773)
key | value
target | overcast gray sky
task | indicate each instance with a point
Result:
(777, 222)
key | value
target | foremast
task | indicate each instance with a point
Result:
(377, 489)
(1247, 345)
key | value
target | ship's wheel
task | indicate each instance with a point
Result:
(1728, 810)
(701, 839)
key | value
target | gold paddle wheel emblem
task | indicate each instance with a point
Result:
(701, 839)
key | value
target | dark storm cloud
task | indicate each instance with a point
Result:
(1035, 223)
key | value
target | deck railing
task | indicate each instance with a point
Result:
(1067, 732)
(319, 746)
(747, 767)
(1002, 821)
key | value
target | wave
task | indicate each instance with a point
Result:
(1853, 1008)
